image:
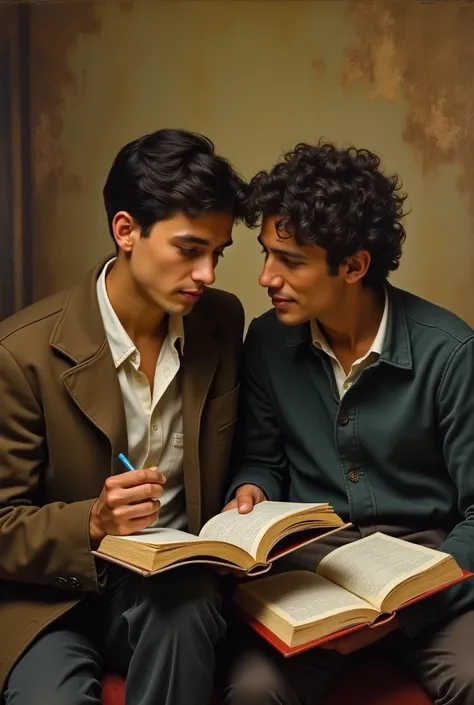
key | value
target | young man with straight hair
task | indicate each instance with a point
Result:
(139, 358)
(359, 394)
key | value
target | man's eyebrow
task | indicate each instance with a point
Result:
(283, 251)
(190, 239)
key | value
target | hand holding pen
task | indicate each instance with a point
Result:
(129, 502)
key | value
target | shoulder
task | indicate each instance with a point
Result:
(218, 299)
(266, 330)
(225, 308)
(431, 321)
(33, 324)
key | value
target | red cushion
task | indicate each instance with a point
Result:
(377, 683)
(113, 690)
(374, 683)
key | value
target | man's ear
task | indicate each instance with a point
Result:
(124, 229)
(356, 266)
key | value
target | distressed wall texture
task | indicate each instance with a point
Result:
(394, 77)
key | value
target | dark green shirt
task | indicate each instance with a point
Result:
(397, 449)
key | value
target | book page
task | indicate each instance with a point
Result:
(247, 530)
(372, 566)
(301, 596)
(158, 536)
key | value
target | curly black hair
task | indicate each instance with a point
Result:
(172, 171)
(338, 199)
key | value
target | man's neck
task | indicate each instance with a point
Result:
(350, 331)
(141, 318)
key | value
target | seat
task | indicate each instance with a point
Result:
(376, 682)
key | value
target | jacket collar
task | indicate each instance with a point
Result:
(79, 333)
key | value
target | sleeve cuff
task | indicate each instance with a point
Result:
(259, 477)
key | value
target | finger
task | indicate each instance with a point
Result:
(134, 478)
(345, 650)
(342, 646)
(130, 512)
(143, 522)
(231, 505)
(141, 493)
(245, 502)
(329, 646)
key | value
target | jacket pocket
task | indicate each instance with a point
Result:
(224, 415)
(224, 408)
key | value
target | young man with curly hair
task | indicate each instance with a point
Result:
(360, 394)
(139, 358)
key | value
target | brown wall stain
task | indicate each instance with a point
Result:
(319, 65)
(54, 33)
(422, 52)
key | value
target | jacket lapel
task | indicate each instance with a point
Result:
(91, 381)
(202, 352)
(93, 385)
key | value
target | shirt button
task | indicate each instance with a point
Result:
(74, 583)
(343, 418)
(133, 357)
(138, 377)
(60, 582)
(346, 385)
(353, 476)
(155, 427)
(318, 345)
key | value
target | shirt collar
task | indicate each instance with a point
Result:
(120, 343)
(397, 344)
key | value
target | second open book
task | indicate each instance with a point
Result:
(245, 542)
(362, 583)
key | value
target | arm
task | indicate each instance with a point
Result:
(259, 456)
(43, 545)
(455, 409)
(51, 544)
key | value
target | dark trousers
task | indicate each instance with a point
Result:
(161, 631)
(442, 661)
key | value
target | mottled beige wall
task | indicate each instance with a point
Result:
(256, 77)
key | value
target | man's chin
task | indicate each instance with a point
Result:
(289, 318)
(184, 304)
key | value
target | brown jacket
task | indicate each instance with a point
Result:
(62, 425)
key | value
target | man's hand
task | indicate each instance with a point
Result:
(358, 640)
(245, 499)
(128, 503)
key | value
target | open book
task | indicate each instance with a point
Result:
(246, 542)
(360, 584)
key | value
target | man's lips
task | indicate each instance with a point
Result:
(281, 302)
(192, 294)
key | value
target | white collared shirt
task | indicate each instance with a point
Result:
(344, 381)
(154, 423)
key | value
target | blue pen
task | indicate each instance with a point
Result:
(125, 461)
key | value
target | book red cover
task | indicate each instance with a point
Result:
(288, 651)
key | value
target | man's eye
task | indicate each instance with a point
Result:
(290, 263)
(187, 251)
(219, 255)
